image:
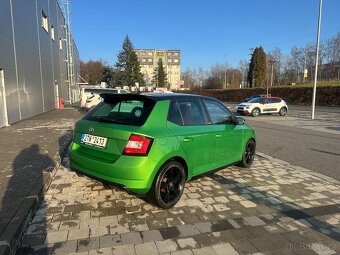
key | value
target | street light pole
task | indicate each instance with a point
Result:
(316, 60)
(225, 77)
(272, 75)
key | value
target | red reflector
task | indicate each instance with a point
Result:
(137, 145)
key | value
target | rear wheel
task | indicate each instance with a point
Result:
(255, 112)
(168, 185)
(283, 111)
(248, 154)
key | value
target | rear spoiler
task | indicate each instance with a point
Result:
(113, 98)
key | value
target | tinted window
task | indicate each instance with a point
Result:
(174, 115)
(218, 113)
(122, 111)
(187, 113)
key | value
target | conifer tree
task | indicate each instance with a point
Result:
(159, 77)
(257, 68)
(128, 67)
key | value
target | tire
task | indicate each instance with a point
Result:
(255, 112)
(248, 154)
(168, 185)
(283, 111)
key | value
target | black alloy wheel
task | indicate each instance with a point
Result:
(169, 185)
(248, 155)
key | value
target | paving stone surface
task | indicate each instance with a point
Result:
(272, 208)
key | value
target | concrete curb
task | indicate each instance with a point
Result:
(11, 237)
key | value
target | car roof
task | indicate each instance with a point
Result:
(155, 96)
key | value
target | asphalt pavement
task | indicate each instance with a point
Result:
(295, 138)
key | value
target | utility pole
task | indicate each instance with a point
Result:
(225, 75)
(272, 75)
(316, 60)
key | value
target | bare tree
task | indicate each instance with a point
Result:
(92, 71)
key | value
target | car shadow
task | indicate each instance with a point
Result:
(334, 128)
(308, 215)
(64, 142)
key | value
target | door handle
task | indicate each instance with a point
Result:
(187, 139)
(218, 135)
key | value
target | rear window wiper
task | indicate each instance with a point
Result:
(105, 119)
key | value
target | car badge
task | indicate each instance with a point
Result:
(91, 130)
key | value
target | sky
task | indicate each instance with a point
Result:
(206, 32)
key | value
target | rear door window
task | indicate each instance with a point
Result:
(275, 100)
(187, 113)
(122, 110)
(218, 113)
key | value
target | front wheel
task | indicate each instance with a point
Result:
(283, 111)
(168, 185)
(248, 154)
(255, 112)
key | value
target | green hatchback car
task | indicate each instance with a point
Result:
(152, 144)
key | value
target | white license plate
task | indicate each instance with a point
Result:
(93, 140)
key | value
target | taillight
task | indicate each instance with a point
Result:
(138, 145)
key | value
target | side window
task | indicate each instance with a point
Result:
(218, 114)
(174, 115)
(275, 100)
(187, 113)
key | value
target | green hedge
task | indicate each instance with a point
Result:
(325, 96)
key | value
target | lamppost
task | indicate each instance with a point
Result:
(225, 75)
(272, 74)
(316, 60)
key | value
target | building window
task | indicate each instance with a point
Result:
(52, 33)
(150, 60)
(176, 54)
(60, 44)
(44, 21)
(149, 53)
(143, 60)
(176, 60)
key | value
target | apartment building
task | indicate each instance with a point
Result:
(148, 59)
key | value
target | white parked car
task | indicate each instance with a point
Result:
(263, 105)
(91, 96)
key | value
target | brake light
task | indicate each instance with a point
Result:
(138, 145)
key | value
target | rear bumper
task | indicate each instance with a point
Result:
(134, 173)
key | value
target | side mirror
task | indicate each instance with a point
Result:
(240, 121)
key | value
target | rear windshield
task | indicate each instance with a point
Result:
(122, 110)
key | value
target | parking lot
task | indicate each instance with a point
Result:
(272, 208)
